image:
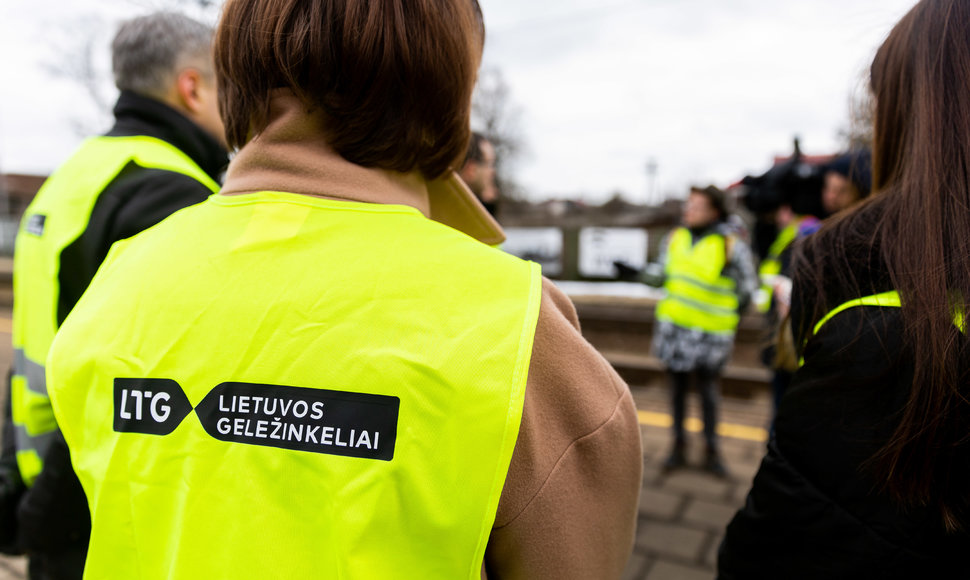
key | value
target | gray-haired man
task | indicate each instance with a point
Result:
(165, 152)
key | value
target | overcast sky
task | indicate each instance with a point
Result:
(709, 89)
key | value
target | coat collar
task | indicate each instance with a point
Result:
(292, 155)
(139, 115)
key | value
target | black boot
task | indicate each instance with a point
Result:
(677, 457)
(713, 463)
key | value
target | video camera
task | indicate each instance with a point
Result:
(793, 182)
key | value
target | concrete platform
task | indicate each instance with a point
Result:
(683, 513)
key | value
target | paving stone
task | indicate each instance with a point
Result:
(672, 540)
(741, 471)
(655, 438)
(652, 472)
(696, 483)
(654, 453)
(711, 557)
(742, 451)
(659, 504)
(740, 493)
(636, 566)
(663, 570)
(713, 516)
(13, 568)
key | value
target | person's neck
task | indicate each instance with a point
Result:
(291, 154)
(703, 229)
(137, 114)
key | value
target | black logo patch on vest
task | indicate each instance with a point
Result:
(35, 224)
(149, 406)
(316, 420)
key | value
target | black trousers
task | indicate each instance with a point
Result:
(708, 387)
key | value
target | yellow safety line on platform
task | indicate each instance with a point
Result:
(695, 425)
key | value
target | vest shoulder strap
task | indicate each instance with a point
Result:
(885, 299)
(158, 154)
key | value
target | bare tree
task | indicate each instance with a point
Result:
(81, 60)
(204, 5)
(495, 115)
(859, 132)
(84, 59)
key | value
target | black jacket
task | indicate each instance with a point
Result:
(815, 509)
(138, 198)
(53, 515)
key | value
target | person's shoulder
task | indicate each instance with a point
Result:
(734, 241)
(565, 365)
(135, 180)
(808, 226)
(556, 304)
(578, 415)
(728, 231)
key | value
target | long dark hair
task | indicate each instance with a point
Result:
(917, 226)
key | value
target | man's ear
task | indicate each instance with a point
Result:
(187, 85)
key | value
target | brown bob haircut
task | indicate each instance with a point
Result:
(394, 78)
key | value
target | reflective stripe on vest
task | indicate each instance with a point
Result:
(221, 434)
(888, 299)
(698, 294)
(56, 217)
(771, 265)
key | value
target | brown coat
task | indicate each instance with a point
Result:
(569, 505)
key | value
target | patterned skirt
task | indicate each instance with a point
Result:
(685, 349)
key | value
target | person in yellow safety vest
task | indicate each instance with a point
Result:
(326, 370)
(774, 296)
(776, 263)
(166, 151)
(709, 279)
(847, 181)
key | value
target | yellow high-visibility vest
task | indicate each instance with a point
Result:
(275, 385)
(698, 294)
(55, 218)
(771, 265)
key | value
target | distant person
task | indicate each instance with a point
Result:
(848, 180)
(775, 273)
(709, 278)
(868, 475)
(309, 375)
(478, 172)
(165, 152)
